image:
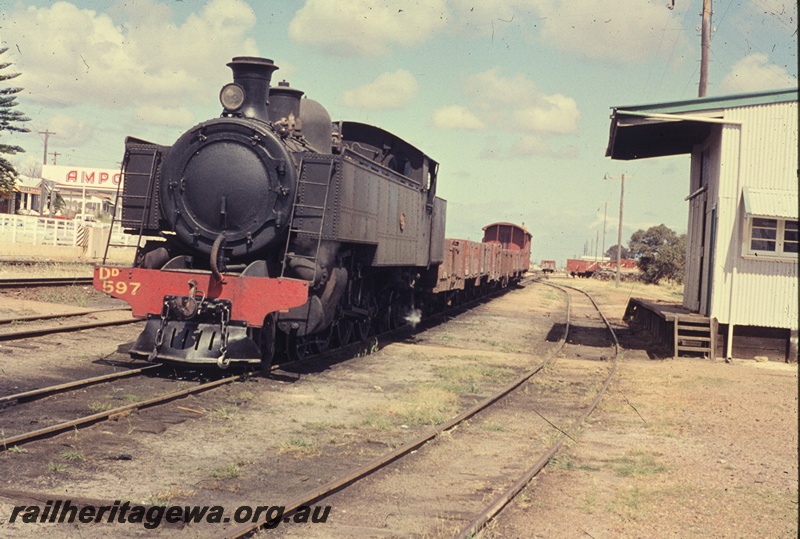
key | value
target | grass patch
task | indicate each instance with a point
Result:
(630, 503)
(637, 463)
(241, 397)
(80, 296)
(56, 467)
(231, 471)
(299, 447)
(566, 463)
(493, 426)
(324, 425)
(72, 454)
(468, 378)
(224, 412)
(168, 496)
(97, 406)
(377, 421)
(426, 405)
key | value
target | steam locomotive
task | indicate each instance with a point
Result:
(272, 228)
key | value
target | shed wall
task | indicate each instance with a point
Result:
(760, 154)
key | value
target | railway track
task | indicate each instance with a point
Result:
(26, 327)
(119, 411)
(414, 446)
(354, 477)
(43, 392)
(350, 350)
(44, 281)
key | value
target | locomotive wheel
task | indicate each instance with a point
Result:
(297, 347)
(398, 318)
(384, 320)
(322, 341)
(363, 328)
(267, 342)
(342, 331)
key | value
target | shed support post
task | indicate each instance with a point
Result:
(713, 329)
(729, 344)
(675, 337)
(793, 338)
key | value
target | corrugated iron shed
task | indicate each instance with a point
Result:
(744, 165)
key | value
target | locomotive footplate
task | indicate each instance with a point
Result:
(192, 330)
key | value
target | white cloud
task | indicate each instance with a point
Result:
(70, 56)
(515, 105)
(389, 91)
(490, 85)
(616, 30)
(71, 131)
(754, 73)
(556, 114)
(456, 117)
(628, 30)
(366, 27)
(175, 117)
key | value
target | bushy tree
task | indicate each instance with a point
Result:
(611, 253)
(660, 253)
(9, 120)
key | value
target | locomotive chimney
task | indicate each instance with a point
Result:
(253, 75)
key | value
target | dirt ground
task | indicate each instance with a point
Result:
(677, 448)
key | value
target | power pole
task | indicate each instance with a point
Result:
(705, 48)
(605, 214)
(46, 134)
(619, 231)
(55, 157)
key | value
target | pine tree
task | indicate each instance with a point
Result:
(9, 118)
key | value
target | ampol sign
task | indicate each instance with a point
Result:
(90, 178)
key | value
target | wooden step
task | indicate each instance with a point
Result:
(695, 335)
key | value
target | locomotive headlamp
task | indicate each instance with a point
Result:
(231, 96)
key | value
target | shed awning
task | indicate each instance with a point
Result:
(673, 128)
(770, 203)
(636, 135)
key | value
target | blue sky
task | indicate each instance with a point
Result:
(511, 97)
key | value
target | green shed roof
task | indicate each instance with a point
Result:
(673, 128)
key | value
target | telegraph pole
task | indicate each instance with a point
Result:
(619, 231)
(705, 48)
(46, 134)
(605, 215)
(55, 157)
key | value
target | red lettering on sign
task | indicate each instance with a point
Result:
(72, 176)
(116, 179)
(88, 177)
(103, 177)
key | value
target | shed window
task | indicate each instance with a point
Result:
(790, 237)
(770, 237)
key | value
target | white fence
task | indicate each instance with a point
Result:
(35, 230)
